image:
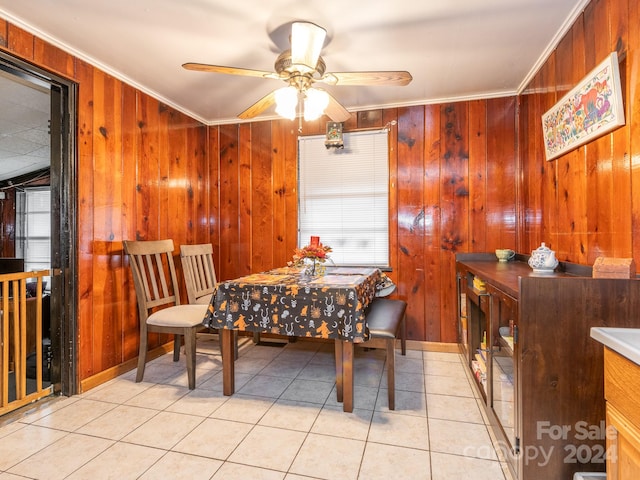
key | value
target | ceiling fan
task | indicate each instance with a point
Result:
(301, 67)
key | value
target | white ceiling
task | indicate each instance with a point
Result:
(455, 49)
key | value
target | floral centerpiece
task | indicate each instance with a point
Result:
(312, 258)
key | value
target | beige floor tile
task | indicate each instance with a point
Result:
(410, 382)
(74, 416)
(321, 372)
(399, 430)
(199, 402)
(10, 428)
(329, 457)
(10, 476)
(291, 414)
(449, 467)
(409, 364)
(253, 365)
(459, 438)
(443, 385)
(117, 391)
(407, 403)
(243, 408)
(24, 442)
(284, 367)
(158, 397)
(118, 422)
(216, 381)
(164, 430)
(267, 447)
(363, 397)
(383, 462)
(448, 407)
(62, 457)
(265, 386)
(333, 421)
(308, 391)
(213, 438)
(180, 465)
(442, 368)
(443, 356)
(121, 461)
(235, 471)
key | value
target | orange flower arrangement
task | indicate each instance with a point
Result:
(310, 256)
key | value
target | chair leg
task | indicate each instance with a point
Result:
(176, 348)
(142, 357)
(190, 354)
(391, 372)
(403, 335)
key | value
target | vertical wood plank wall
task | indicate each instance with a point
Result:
(465, 176)
(586, 203)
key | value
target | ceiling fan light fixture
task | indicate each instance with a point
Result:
(286, 102)
(307, 40)
(315, 103)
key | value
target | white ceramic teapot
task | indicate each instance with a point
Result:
(543, 259)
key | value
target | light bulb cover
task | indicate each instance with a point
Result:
(315, 102)
(286, 102)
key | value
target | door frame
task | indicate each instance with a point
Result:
(63, 184)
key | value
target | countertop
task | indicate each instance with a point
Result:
(625, 341)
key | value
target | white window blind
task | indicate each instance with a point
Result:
(33, 226)
(343, 197)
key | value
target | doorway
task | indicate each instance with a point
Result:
(37, 201)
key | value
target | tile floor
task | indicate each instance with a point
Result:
(283, 422)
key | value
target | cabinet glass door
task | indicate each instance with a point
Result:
(504, 330)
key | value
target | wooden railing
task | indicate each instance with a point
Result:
(20, 333)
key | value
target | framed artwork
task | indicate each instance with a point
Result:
(593, 108)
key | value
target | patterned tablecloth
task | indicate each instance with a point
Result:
(284, 301)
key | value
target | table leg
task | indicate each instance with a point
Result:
(344, 374)
(339, 378)
(347, 376)
(228, 363)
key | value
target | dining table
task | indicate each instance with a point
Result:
(288, 301)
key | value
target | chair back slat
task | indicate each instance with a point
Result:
(199, 271)
(154, 274)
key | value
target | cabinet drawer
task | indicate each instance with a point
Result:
(622, 384)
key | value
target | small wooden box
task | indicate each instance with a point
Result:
(607, 267)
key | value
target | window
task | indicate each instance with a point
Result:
(33, 228)
(343, 197)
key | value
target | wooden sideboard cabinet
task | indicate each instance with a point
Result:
(526, 340)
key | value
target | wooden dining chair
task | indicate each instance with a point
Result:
(200, 276)
(158, 297)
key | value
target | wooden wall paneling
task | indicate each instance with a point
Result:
(166, 214)
(53, 58)
(432, 221)
(229, 206)
(20, 42)
(633, 121)
(479, 177)
(179, 205)
(130, 324)
(263, 202)
(370, 119)
(198, 183)
(287, 147)
(599, 188)
(455, 207)
(550, 169)
(284, 188)
(621, 165)
(246, 205)
(3, 33)
(572, 241)
(107, 276)
(84, 141)
(501, 172)
(387, 116)
(213, 194)
(411, 226)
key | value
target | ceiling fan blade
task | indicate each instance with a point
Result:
(335, 111)
(392, 78)
(307, 40)
(259, 107)
(203, 67)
